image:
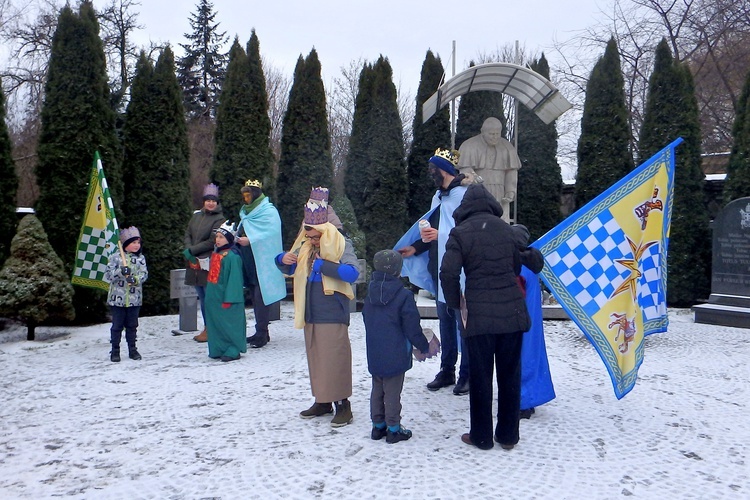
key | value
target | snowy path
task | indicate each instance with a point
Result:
(180, 425)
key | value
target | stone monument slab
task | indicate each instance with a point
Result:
(729, 303)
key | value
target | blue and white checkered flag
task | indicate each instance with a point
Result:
(607, 265)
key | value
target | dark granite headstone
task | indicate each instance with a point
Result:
(729, 303)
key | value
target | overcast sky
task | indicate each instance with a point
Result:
(346, 30)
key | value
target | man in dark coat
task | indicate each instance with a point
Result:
(485, 247)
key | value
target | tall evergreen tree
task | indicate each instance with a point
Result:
(382, 206)
(436, 133)
(233, 152)
(157, 195)
(8, 186)
(474, 108)
(540, 180)
(355, 179)
(242, 150)
(201, 70)
(603, 154)
(737, 184)
(305, 145)
(672, 112)
(261, 129)
(76, 121)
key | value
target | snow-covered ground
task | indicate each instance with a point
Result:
(180, 425)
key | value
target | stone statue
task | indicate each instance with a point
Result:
(495, 160)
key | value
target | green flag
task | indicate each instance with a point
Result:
(99, 233)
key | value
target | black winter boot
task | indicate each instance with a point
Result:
(444, 378)
(133, 353)
(114, 355)
(259, 339)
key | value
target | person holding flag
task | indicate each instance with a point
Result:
(126, 273)
(110, 260)
(485, 248)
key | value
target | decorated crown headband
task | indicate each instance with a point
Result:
(254, 183)
(319, 194)
(448, 154)
(129, 233)
(211, 190)
(226, 228)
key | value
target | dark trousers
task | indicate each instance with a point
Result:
(450, 326)
(261, 311)
(124, 317)
(503, 353)
(385, 399)
(201, 291)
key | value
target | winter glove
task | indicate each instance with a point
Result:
(226, 305)
(317, 264)
(189, 256)
(130, 279)
(125, 270)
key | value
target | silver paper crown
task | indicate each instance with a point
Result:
(211, 190)
(227, 229)
(128, 233)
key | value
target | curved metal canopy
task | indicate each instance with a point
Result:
(530, 88)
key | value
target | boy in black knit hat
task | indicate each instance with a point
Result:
(392, 326)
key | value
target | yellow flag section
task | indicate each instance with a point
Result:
(607, 265)
(99, 233)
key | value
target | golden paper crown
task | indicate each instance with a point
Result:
(254, 183)
(448, 154)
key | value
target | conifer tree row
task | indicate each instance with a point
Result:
(8, 186)
(376, 177)
(672, 112)
(435, 133)
(76, 121)
(539, 180)
(263, 159)
(157, 189)
(738, 171)
(305, 159)
(603, 152)
(233, 154)
(242, 149)
(355, 178)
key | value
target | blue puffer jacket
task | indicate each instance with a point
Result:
(392, 326)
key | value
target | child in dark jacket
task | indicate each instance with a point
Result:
(392, 326)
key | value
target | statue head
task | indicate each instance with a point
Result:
(492, 131)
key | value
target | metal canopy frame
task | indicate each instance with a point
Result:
(528, 87)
